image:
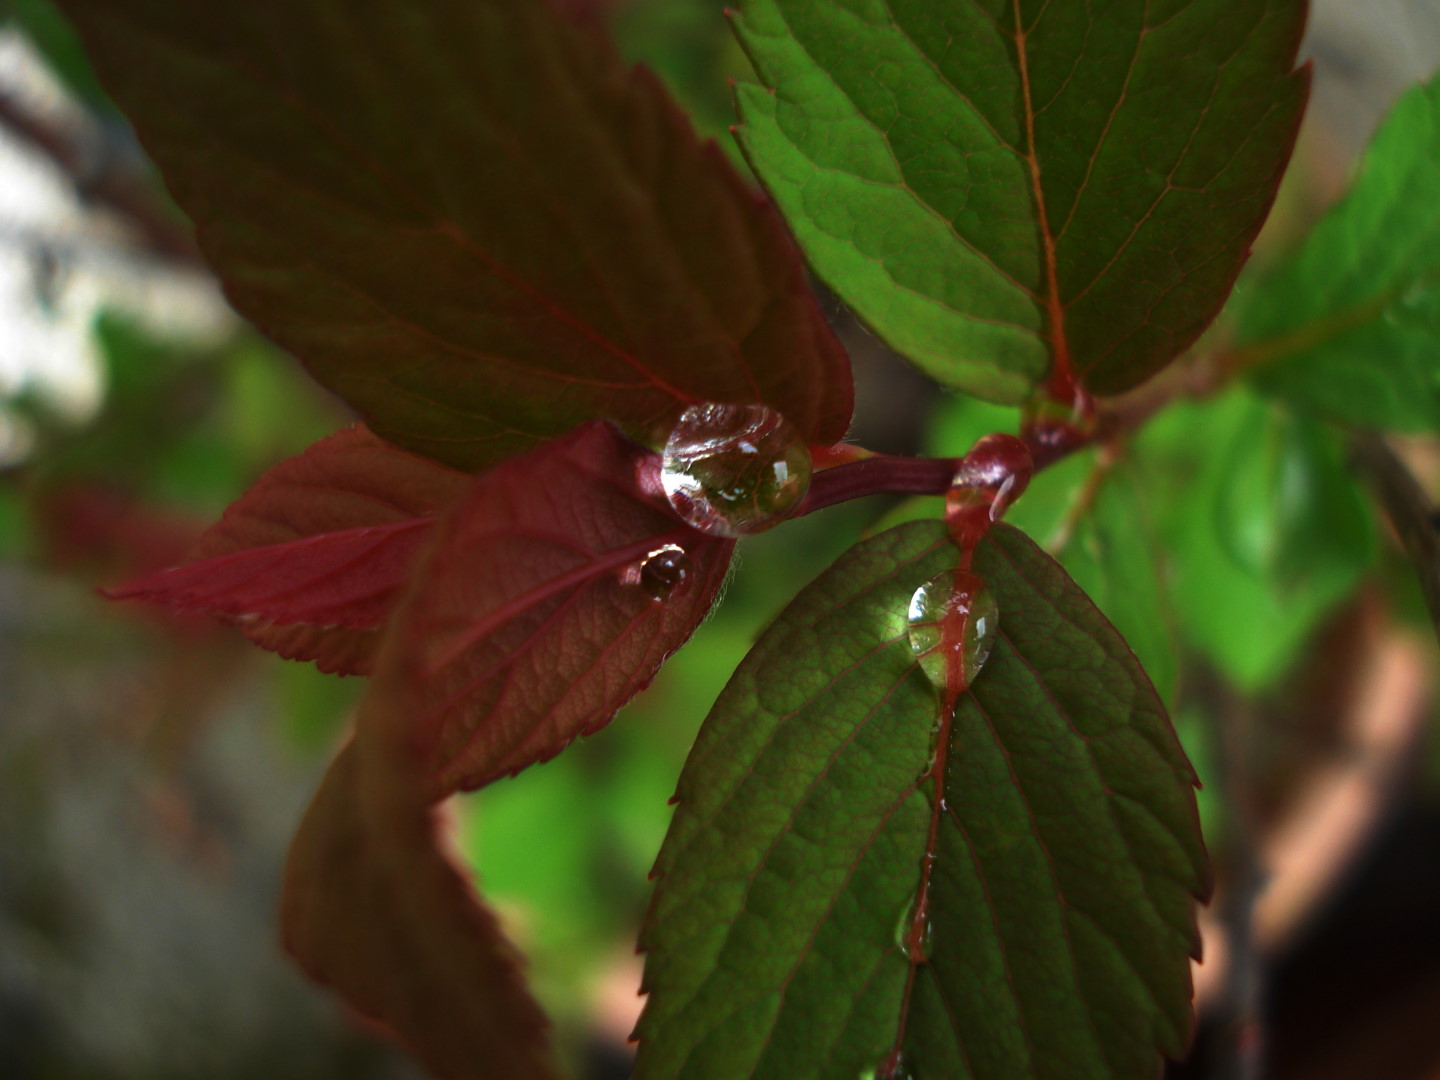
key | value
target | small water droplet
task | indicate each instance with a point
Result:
(894, 1067)
(915, 933)
(663, 570)
(734, 470)
(991, 476)
(954, 619)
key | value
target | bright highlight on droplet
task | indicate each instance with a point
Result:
(663, 570)
(890, 1069)
(954, 619)
(915, 941)
(734, 470)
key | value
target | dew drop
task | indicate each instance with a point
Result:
(992, 475)
(734, 470)
(663, 570)
(915, 933)
(894, 1067)
(954, 618)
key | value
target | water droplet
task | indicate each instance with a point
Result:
(663, 570)
(954, 618)
(894, 1067)
(992, 475)
(915, 933)
(734, 470)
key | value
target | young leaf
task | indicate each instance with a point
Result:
(1066, 849)
(467, 218)
(373, 907)
(1350, 325)
(1003, 185)
(316, 551)
(535, 617)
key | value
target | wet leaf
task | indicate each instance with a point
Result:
(1066, 854)
(1350, 325)
(468, 218)
(311, 559)
(998, 185)
(531, 617)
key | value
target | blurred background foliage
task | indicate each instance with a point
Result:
(152, 767)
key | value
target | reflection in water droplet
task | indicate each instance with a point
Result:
(734, 470)
(662, 571)
(915, 941)
(954, 618)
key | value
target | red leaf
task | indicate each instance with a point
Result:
(468, 218)
(373, 907)
(527, 632)
(323, 540)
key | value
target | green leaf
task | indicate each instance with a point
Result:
(1266, 529)
(468, 218)
(996, 185)
(1064, 864)
(1093, 517)
(1350, 325)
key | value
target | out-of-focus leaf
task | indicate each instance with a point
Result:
(323, 540)
(1409, 509)
(999, 185)
(531, 618)
(1265, 527)
(372, 906)
(1066, 847)
(468, 218)
(1350, 325)
(55, 39)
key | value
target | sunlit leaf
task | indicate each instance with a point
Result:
(323, 540)
(998, 184)
(468, 218)
(1350, 325)
(1066, 846)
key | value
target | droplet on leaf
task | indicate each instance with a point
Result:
(663, 570)
(915, 933)
(893, 1067)
(954, 618)
(734, 470)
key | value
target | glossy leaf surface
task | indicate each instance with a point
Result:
(1350, 325)
(1066, 858)
(373, 907)
(996, 185)
(311, 559)
(468, 218)
(530, 621)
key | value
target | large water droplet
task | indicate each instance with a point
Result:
(663, 570)
(915, 933)
(954, 618)
(734, 470)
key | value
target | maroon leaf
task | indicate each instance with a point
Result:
(310, 560)
(468, 218)
(529, 617)
(372, 906)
